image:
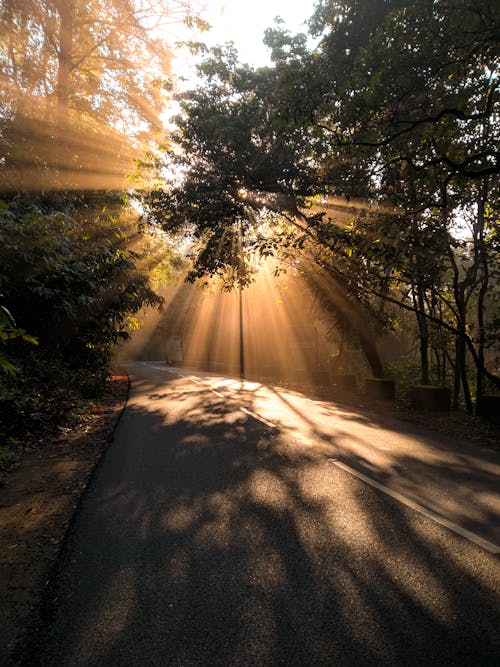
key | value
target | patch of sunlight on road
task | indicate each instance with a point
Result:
(322, 488)
(181, 518)
(345, 518)
(266, 570)
(268, 489)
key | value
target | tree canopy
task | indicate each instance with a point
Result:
(84, 85)
(395, 106)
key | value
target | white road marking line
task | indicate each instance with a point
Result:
(248, 412)
(156, 367)
(463, 532)
(258, 417)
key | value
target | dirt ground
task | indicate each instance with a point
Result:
(37, 503)
(40, 496)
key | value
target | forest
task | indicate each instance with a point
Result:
(385, 109)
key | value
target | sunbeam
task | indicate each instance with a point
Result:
(45, 149)
(265, 330)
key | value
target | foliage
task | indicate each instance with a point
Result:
(405, 372)
(7, 458)
(398, 105)
(45, 394)
(74, 269)
(103, 58)
(9, 332)
(83, 87)
(418, 89)
(70, 274)
(232, 143)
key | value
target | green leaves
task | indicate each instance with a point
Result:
(9, 332)
(69, 275)
(6, 367)
(6, 319)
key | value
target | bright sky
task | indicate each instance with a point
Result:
(244, 23)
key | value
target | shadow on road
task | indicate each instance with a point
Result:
(208, 539)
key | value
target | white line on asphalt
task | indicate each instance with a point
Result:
(248, 412)
(258, 417)
(463, 532)
(156, 367)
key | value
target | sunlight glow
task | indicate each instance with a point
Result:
(55, 151)
(200, 328)
(244, 24)
(77, 138)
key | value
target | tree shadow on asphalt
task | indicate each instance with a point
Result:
(449, 459)
(208, 539)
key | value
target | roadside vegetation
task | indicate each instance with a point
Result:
(83, 86)
(71, 277)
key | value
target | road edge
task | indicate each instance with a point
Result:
(23, 650)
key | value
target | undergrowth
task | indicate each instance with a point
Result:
(41, 397)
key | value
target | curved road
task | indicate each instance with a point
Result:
(236, 524)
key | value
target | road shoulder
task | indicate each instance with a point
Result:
(37, 505)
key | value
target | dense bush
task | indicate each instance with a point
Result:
(74, 268)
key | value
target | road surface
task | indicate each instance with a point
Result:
(236, 524)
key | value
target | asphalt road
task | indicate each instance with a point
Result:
(235, 524)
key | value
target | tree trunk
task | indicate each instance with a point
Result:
(443, 370)
(465, 386)
(357, 320)
(437, 359)
(419, 302)
(461, 376)
(372, 356)
(483, 263)
(456, 375)
(423, 332)
(65, 53)
(350, 311)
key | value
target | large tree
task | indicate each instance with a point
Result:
(396, 104)
(83, 83)
(103, 58)
(409, 119)
(244, 166)
(411, 89)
